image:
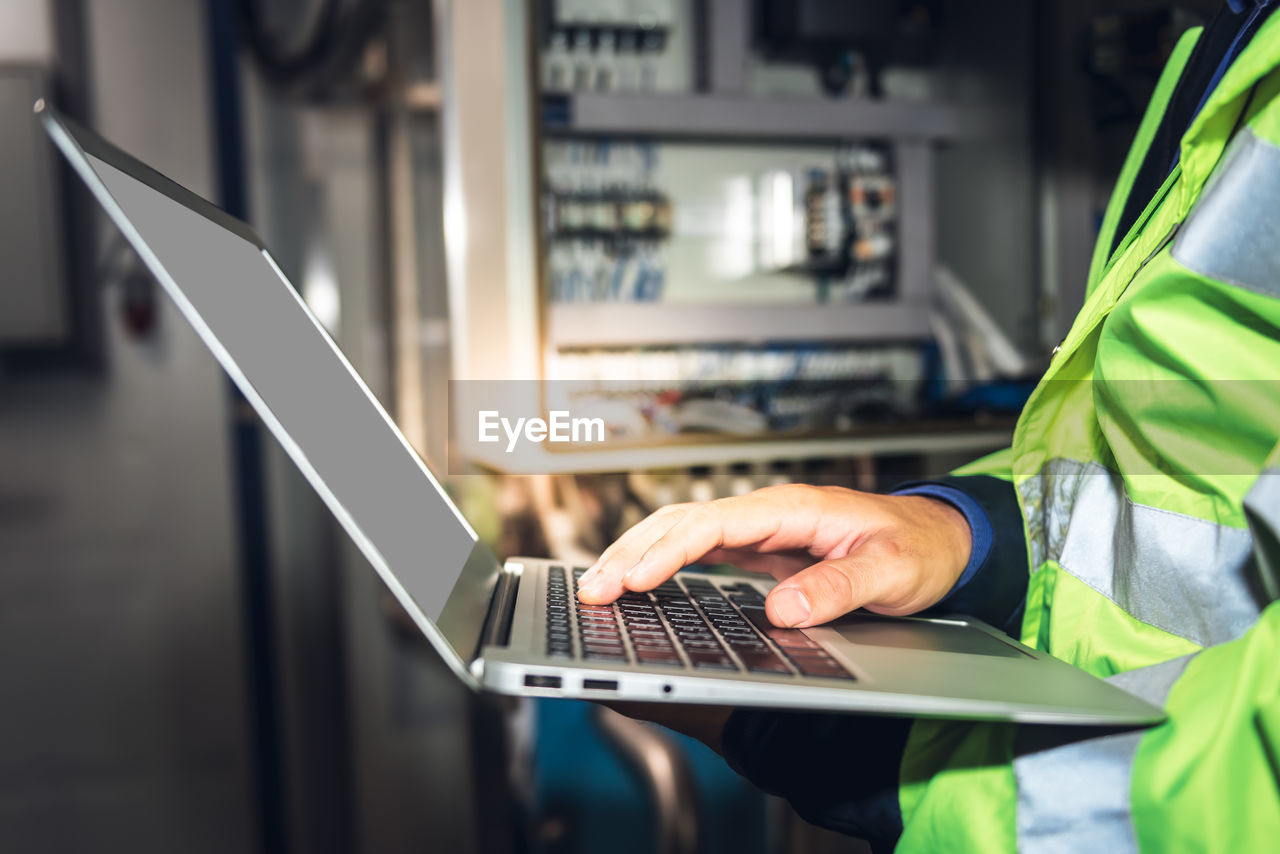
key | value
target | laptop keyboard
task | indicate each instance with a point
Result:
(682, 623)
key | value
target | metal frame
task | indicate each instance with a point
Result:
(727, 34)
(639, 324)
(747, 118)
(695, 450)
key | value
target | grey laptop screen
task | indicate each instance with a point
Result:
(324, 415)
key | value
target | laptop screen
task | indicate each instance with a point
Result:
(304, 389)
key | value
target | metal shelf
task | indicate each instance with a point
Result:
(631, 324)
(709, 116)
(726, 450)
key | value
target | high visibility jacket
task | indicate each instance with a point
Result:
(1148, 474)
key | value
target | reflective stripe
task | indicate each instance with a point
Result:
(1262, 508)
(1233, 232)
(1073, 795)
(1175, 572)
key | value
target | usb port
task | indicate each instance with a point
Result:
(599, 684)
(532, 681)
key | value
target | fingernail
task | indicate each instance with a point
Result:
(791, 606)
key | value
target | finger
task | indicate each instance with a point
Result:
(755, 520)
(602, 583)
(660, 519)
(769, 520)
(779, 566)
(827, 590)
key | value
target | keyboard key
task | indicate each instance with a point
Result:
(816, 667)
(750, 650)
(647, 648)
(763, 662)
(802, 652)
(757, 616)
(790, 639)
(704, 661)
(603, 650)
(648, 632)
(655, 650)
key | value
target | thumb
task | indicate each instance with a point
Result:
(825, 591)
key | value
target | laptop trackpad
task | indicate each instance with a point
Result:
(906, 633)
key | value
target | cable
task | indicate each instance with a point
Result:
(335, 41)
(277, 62)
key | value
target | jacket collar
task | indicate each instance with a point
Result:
(1203, 143)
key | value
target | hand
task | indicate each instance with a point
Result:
(705, 723)
(832, 549)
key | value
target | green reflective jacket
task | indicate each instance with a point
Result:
(1147, 467)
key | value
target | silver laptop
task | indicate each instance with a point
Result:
(517, 628)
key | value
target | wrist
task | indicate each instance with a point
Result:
(981, 535)
(950, 535)
(961, 534)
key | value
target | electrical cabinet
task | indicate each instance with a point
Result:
(673, 202)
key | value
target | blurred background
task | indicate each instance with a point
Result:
(826, 241)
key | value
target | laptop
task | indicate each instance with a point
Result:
(517, 627)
